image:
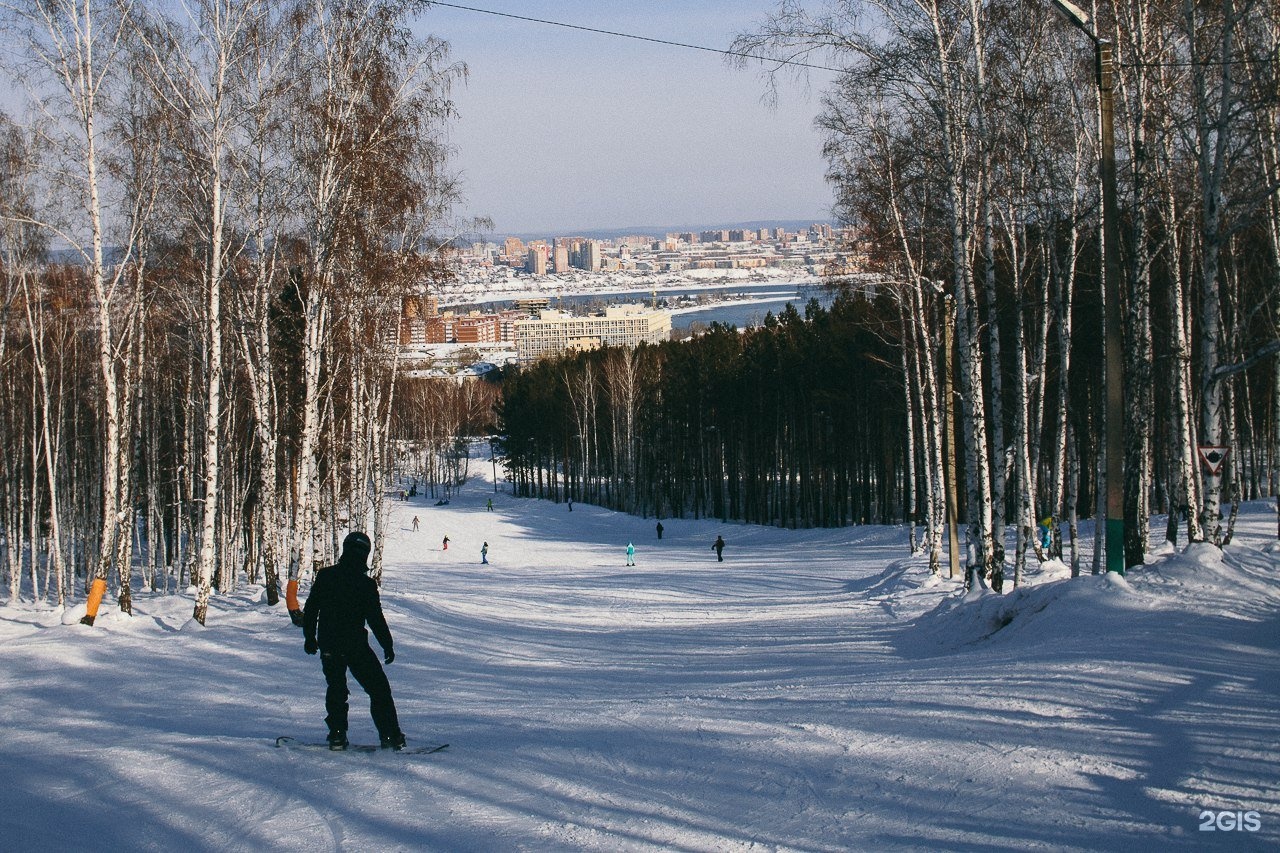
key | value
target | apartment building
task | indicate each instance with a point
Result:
(590, 255)
(486, 329)
(553, 332)
(414, 314)
(536, 262)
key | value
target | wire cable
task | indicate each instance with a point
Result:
(771, 59)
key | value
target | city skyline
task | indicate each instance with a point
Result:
(564, 130)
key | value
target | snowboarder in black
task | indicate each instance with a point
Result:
(718, 547)
(659, 529)
(342, 600)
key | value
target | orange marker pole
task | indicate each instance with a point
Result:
(291, 601)
(96, 590)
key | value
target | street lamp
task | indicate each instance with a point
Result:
(493, 458)
(1111, 287)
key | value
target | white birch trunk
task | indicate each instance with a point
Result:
(1214, 124)
(65, 37)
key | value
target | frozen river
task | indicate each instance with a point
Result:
(739, 304)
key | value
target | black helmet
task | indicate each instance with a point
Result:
(356, 546)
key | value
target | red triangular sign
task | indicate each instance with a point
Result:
(1211, 458)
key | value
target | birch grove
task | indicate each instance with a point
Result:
(233, 198)
(991, 108)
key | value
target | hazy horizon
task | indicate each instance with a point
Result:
(657, 230)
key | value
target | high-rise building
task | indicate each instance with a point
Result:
(560, 259)
(591, 255)
(536, 261)
(513, 247)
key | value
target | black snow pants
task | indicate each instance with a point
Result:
(367, 670)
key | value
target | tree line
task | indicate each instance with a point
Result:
(209, 217)
(795, 423)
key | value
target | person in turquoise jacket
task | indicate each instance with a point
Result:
(1046, 533)
(631, 554)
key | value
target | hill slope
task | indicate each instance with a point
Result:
(816, 691)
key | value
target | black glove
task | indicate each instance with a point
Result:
(310, 646)
(388, 656)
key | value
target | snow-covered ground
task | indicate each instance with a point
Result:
(817, 690)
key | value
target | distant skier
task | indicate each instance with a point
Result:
(718, 547)
(484, 554)
(631, 554)
(659, 529)
(415, 524)
(342, 600)
(570, 504)
(1046, 533)
(489, 506)
(446, 543)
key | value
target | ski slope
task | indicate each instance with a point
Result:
(816, 691)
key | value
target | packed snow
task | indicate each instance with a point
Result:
(818, 690)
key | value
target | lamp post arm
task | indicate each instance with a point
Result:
(1078, 17)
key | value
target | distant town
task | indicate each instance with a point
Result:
(530, 274)
(815, 251)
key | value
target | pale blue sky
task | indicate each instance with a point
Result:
(562, 130)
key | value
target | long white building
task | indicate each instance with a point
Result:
(553, 332)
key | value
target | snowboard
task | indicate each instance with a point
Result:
(287, 742)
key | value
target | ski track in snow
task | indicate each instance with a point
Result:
(818, 690)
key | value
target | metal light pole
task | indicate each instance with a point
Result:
(494, 460)
(1111, 288)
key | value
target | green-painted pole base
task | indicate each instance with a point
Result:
(1115, 545)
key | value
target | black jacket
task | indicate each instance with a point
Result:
(343, 598)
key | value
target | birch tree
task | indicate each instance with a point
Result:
(1216, 101)
(22, 247)
(928, 57)
(195, 65)
(77, 48)
(358, 72)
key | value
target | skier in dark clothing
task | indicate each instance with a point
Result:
(659, 529)
(718, 547)
(342, 600)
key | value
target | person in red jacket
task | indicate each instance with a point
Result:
(343, 600)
